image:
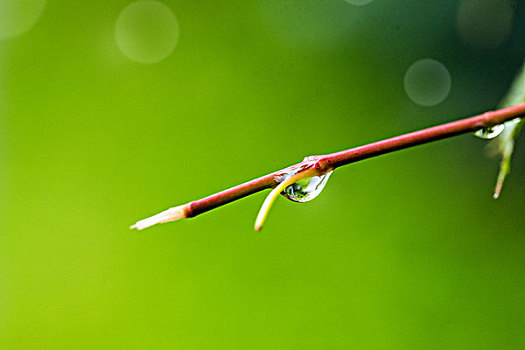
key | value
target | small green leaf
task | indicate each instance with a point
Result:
(507, 138)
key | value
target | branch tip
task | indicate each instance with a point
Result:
(497, 190)
(317, 165)
(171, 214)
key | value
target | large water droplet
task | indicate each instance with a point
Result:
(490, 133)
(306, 189)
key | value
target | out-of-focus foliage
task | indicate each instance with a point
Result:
(511, 131)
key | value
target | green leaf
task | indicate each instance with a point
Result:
(507, 138)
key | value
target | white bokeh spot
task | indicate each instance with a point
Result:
(18, 16)
(147, 31)
(485, 24)
(427, 82)
(359, 2)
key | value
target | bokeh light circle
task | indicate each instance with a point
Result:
(485, 24)
(427, 82)
(18, 16)
(359, 2)
(147, 31)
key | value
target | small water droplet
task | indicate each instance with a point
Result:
(306, 189)
(490, 133)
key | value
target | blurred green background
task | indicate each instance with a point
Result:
(101, 127)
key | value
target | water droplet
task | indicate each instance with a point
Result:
(306, 189)
(490, 133)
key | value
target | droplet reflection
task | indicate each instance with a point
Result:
(306, 189)
(490, 133)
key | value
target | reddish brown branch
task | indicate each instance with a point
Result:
(324, 163)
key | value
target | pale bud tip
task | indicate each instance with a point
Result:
(497, 190)
(171, 214)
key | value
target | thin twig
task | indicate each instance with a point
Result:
(319, 165)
